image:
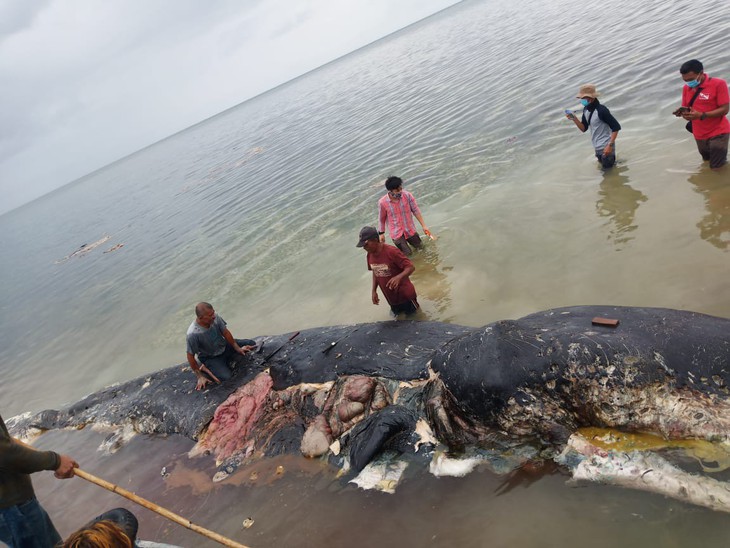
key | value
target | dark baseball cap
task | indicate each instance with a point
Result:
(367, 233)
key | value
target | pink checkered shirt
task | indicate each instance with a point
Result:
(399, 215)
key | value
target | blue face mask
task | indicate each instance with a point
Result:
(693, 83)
(585, 102)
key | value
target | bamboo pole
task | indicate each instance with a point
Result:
(159, 509)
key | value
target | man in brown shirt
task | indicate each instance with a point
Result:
(23, 522)
(391, 269)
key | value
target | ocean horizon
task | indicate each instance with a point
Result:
(258, 208)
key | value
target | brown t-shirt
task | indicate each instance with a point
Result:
(386, 264)
(16, 463)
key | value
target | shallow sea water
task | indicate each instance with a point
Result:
(297, 502)
(257, 211)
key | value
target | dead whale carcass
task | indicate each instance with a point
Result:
(407, 387)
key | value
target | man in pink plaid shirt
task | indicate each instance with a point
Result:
(398, 207)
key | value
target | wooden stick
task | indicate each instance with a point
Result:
(159, 509)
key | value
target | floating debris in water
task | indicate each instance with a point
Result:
(85, 248)
(703, 451)
(382, 474)
(114, 248)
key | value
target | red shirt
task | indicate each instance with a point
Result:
(713, 93)
(386, 264)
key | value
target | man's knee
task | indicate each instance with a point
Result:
(608, 160)
(219, 367)
(223, 373)
(415, 241)
(718, 151)
(402, 244)
(408, 308)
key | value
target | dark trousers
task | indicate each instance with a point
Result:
(220, 365)
(606, 160)
(407, 308)
(714, 150)
(27, 525)
(402, 243)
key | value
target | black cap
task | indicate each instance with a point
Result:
(367, 233)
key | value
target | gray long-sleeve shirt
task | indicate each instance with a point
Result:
(17, 462)
(602, 124)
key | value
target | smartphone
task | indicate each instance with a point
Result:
(569, 112)
(683, 109)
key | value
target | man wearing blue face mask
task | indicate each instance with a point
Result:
(396, 209)
(604, 127)
(705, 103)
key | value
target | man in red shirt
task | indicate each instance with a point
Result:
(391, 269)
(705, 101)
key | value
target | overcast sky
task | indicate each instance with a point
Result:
(86, 82)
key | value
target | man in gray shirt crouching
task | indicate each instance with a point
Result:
(209, 339)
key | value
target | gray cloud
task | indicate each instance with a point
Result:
(93, 81)
(16, 16)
